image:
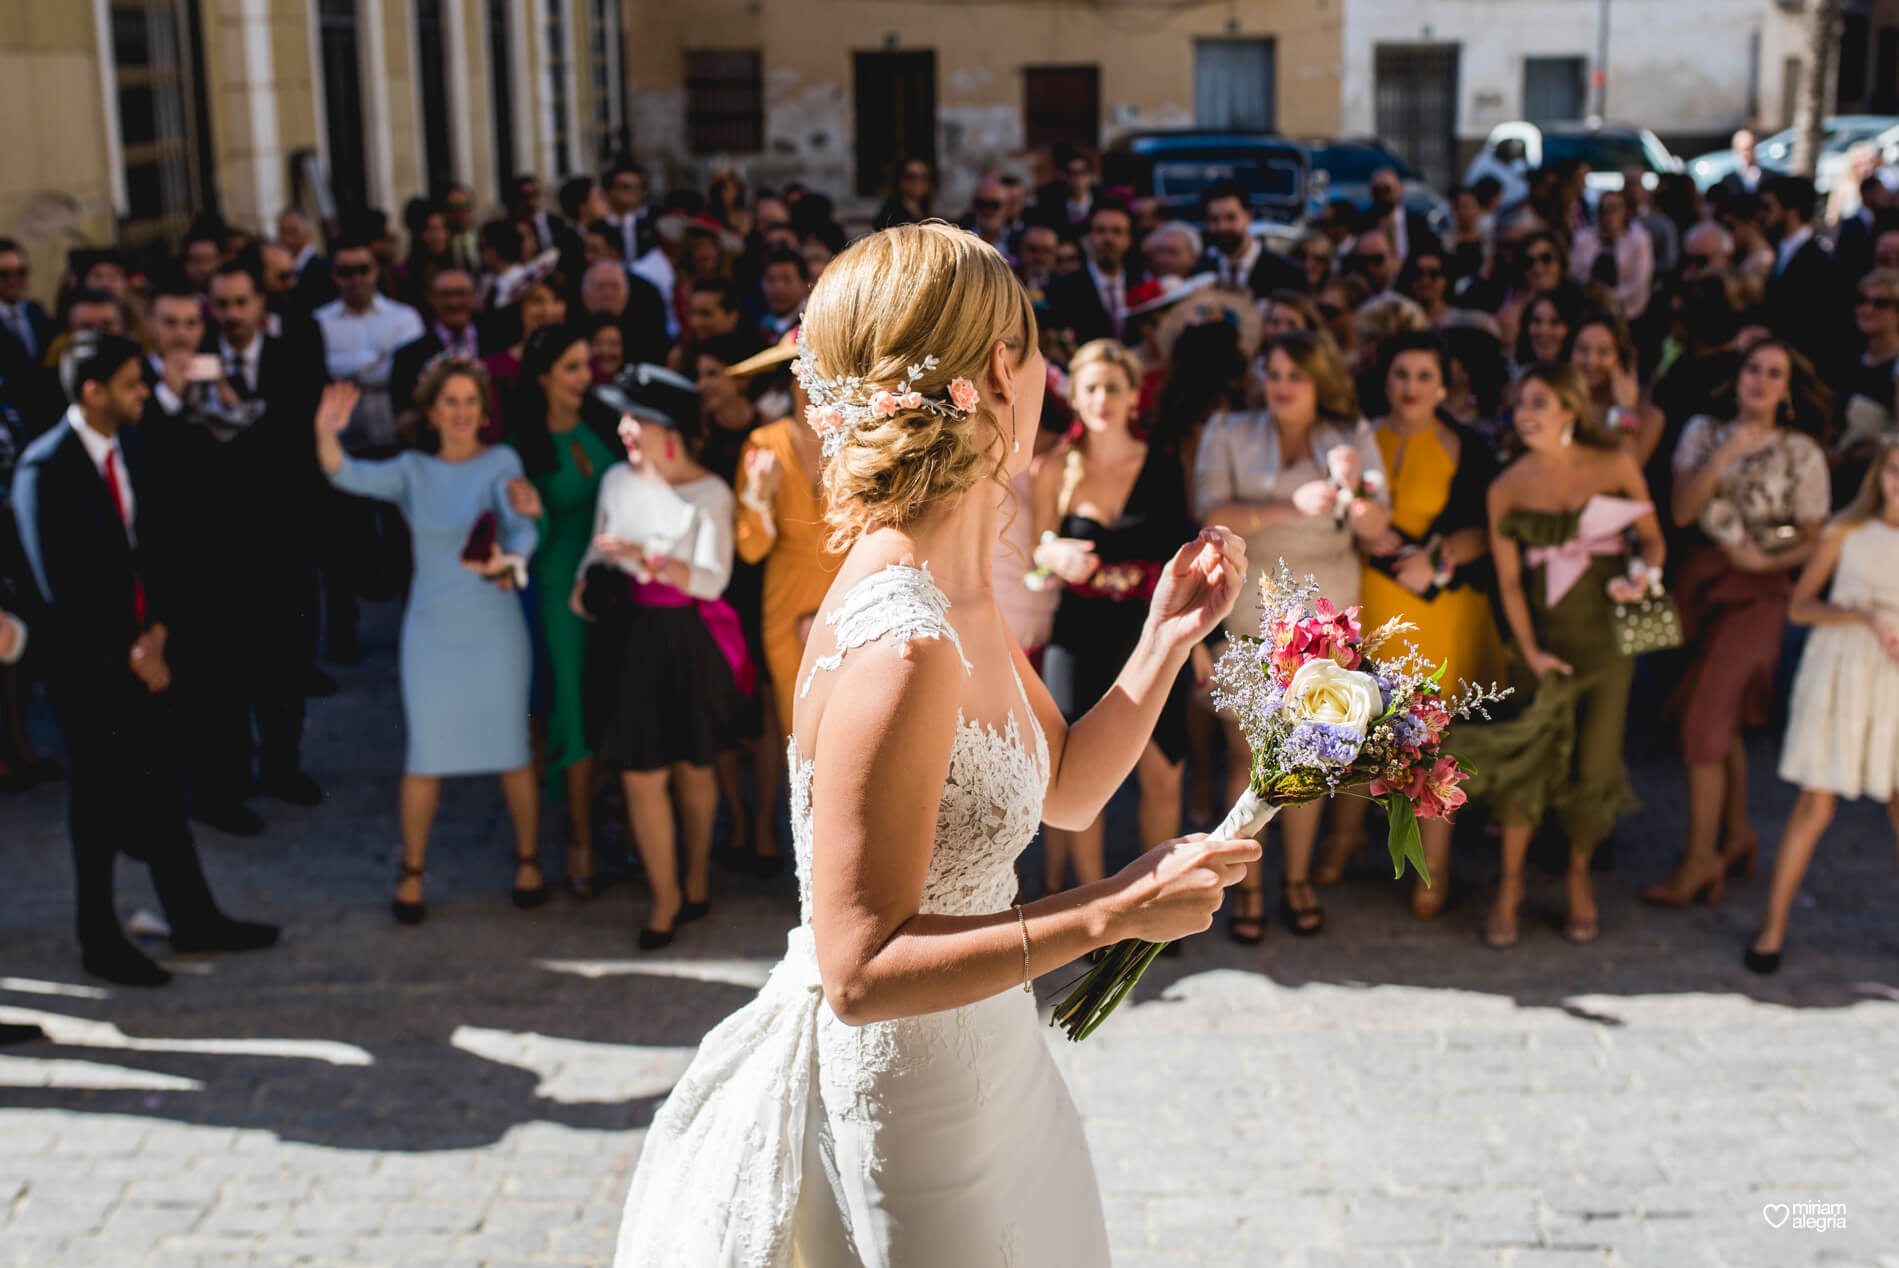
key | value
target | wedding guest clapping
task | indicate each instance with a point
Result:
(1275, 476)
(668, 658)
(1843, 724)
(466, 661)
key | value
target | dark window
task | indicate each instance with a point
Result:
(609, 84)
(158, 74)
(896, 115)
(343, 102)
(724, 101)
(1233, 84)
(501, 86)
(1554, 89)
(431, 42)
(1062, 103)
(1855, 53)
(558, 106)
(1886, 76)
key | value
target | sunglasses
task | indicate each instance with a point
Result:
(986, 204)
(1541, 257)
(1429, 275)
(1697, 261)
(1877, 301)
(12, 275)
(1331, 312)
(353, 270)
(1317, 257)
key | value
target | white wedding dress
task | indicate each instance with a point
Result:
(942, 1141)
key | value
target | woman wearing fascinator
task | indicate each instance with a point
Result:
(888, 1098)
(667, 662)
(466, 659)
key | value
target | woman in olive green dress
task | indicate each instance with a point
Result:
(565, 459)
(1559, 520)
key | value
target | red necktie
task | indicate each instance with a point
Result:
(118, 504)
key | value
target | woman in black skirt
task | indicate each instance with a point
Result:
(667, 664)
(1110, 515)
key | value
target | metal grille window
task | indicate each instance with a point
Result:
(724, 101)
(157, 80)
(431, 44)
(501, 86)
(609, 85)
(559, 108)
(1415, 103)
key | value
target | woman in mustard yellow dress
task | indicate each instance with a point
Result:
(781, 521)
(1431, 567)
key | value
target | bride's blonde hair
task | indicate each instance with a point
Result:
(882, 306)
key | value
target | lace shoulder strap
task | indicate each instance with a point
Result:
(901, 601)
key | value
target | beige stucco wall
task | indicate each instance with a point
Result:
(1144, 50)
(55, 185)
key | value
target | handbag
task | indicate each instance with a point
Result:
(1650, 624)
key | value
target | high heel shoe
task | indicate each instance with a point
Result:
(1765, 963)
(580, 881)
(690, 911)
(1706, 889)
(1741, 863)
(529, 899)
(654, 939)
(408, 913)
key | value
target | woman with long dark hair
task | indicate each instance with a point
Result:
(1758, 489)
(565, 459)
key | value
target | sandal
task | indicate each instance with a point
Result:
(408, 913)
(1500, 934)
(1306, 922)
(581, 883)
(1247, 930)
(1335, 857)
(1427, 901)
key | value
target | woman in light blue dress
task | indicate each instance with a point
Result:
(466, 659)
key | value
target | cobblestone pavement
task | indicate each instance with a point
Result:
(1392, 1093)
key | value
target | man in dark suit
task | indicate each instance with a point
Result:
(451, 299)
(1408, 232)
(1092, 302)
(83, 504)
(1234, 255)
(1804, 303)
(238, 479)
(608, 290)
(313, 286)
(1066, 204)
(22, 320)
(524, 208)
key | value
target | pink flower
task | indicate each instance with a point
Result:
(911, 400)
(882, 405)
(1432, 790)
(1330, 635)
(963, 395)
(823, 418)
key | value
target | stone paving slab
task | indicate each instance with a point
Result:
(1392, 1093)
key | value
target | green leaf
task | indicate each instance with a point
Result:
(1438, 677)
(1403, 840)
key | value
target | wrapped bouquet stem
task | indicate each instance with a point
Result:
(1324, 711)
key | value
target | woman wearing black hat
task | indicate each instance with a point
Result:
(667, 662)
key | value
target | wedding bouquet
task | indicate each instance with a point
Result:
(1350, 481)
(1323, 712)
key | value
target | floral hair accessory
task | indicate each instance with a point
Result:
(839, 404)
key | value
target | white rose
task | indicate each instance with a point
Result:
(1323, 691)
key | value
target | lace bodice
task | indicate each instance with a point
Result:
(992, 796)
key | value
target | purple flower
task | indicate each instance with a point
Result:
(1320, 744)
(1409, 732)
(1388, 684)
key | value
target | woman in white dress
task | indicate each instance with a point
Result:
(888, 1099)
(1843, 721)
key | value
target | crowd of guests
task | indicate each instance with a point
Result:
(572, 442)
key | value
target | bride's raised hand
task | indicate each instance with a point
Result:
(1173, 890)
(1198, 587)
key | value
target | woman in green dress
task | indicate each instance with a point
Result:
(1559, 520)
(564, 458)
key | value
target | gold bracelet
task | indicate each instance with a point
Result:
(1023, 921)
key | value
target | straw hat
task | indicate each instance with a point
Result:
(775, 357)
(1209, 303)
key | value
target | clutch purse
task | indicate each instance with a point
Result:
(1651, 624)
(480, 546)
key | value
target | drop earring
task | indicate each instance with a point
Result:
(1569, 434)
(671, 450)
(1013, 429)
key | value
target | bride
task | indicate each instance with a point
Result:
(888, 1099)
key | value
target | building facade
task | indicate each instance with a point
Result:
(127, 116)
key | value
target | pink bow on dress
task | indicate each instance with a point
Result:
(1598, 532)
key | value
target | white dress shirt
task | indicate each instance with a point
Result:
(98, 446)
(463, 345)
(362, 346)
(240, 366)
(1239, 272)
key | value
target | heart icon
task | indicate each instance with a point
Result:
(1776, 1213)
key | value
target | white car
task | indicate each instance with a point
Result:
(1514, 150)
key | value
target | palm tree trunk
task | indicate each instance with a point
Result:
(1818, 76)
